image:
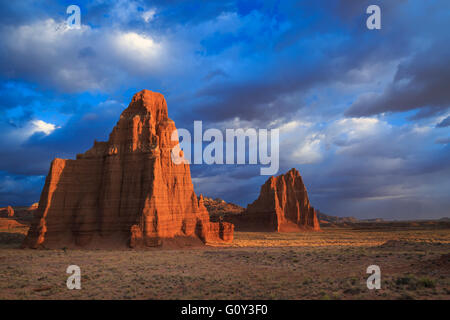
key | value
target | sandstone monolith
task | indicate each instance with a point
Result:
(282, 206)
(125, 191)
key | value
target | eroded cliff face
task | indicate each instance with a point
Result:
(125, 191)
(282, 206)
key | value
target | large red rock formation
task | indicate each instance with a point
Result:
(126, 190)
(282, 206)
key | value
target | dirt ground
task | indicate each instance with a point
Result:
(414, 262)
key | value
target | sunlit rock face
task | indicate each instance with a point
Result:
(126, 191)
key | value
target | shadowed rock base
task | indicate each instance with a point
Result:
(126, 191)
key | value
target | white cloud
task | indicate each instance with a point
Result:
(17, 135)
(42, 126)
(75, 60)
(421, 129)
(124, 11)
(348, 132)
(148, 15)
(136, 46)
(305, 142)
(309, 150)
(292, 125)
(355, 127)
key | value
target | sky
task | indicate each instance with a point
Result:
(363, 114)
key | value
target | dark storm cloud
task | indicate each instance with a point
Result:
(248, 101)
(351, 10)
(19, 190)
(445, 140)
(89, 62)
(38, 164)
(12, 98)
(316, 54)
(169, 13)
(421, 82)
(444, 123)
(17, 12)
(356, 178)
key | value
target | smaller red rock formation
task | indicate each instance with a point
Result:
(10, 211)
(7, 212)
(282, 206)
(224, 230)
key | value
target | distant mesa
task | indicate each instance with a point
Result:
(332, 220)
(282, 206)
(34, 206)
(218, 208)
(18, 212)
(15, 219)
(125, 191)
(7, 212)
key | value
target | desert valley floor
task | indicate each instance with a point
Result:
(414, 259)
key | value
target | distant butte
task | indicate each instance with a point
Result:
(282, 206)
(126, 191)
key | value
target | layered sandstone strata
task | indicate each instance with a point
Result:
(282, 206)
(126, 190)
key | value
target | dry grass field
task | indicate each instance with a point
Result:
(414, 261)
